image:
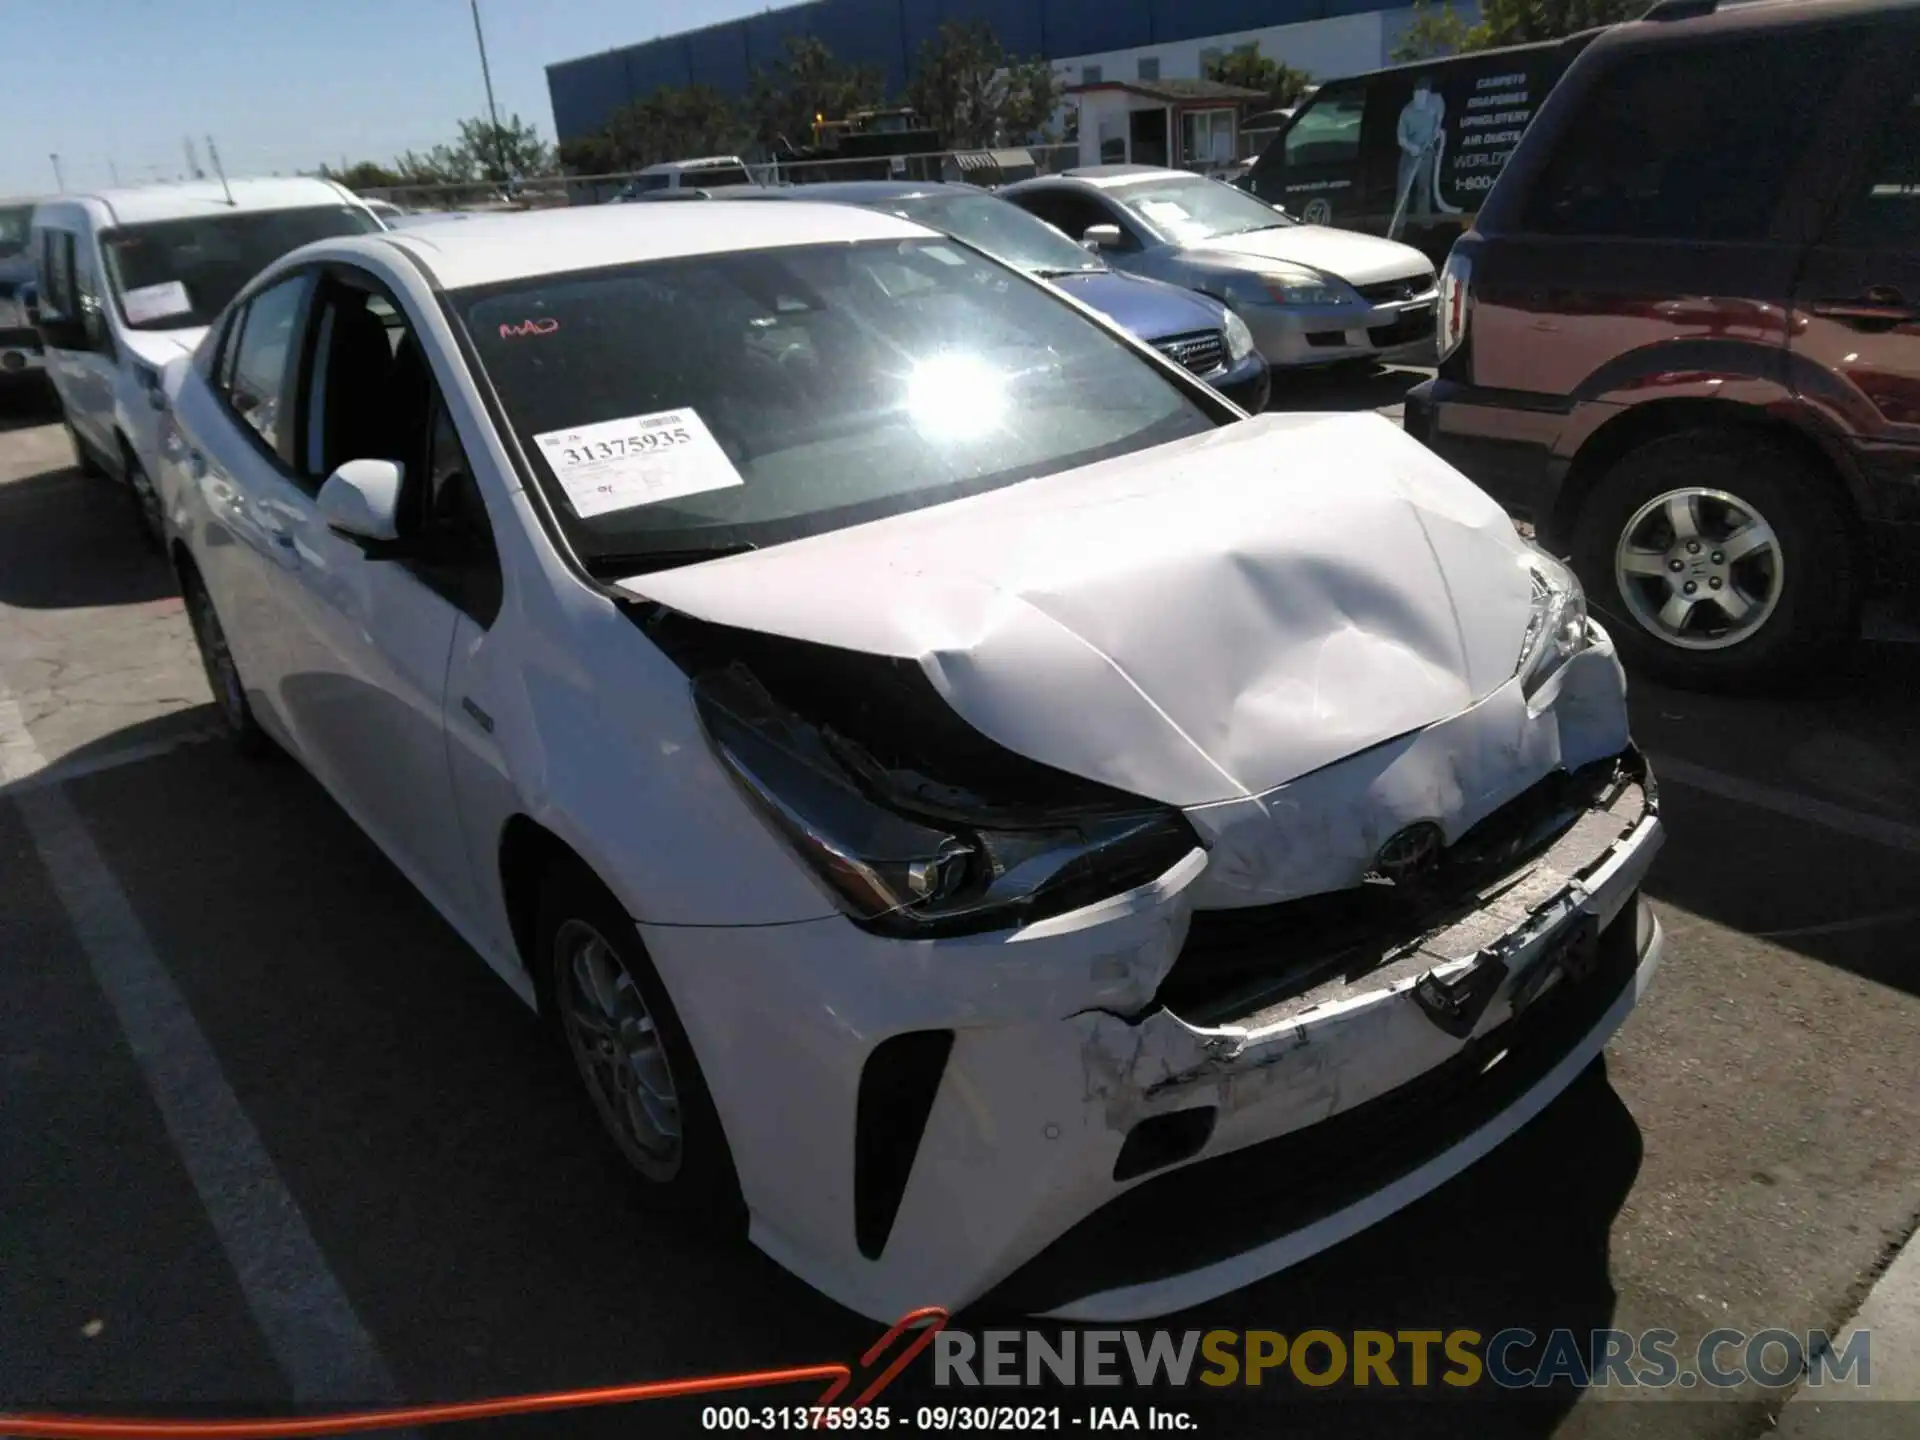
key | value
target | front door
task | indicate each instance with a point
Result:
(1857, 301)
(370, 636)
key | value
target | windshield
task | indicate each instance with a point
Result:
(15, 223)
(1003, 230)
(742, 399)
(1191, 210)
(174, 274)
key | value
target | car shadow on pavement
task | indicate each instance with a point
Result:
(27, 403)
(435, 1140)
(1843, 742)
(68, 542)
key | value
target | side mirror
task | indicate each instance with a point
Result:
(1101, 237)
(361, 502)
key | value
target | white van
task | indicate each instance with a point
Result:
(129, 279)
(705, 173)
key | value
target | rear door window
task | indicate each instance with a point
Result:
(1881, 209)
(1694, 141)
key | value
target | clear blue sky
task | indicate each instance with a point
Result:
(284, 84)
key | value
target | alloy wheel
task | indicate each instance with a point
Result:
(1700, 569)
(619, 1050)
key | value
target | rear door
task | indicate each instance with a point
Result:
(1663, 210)
(1857, 304)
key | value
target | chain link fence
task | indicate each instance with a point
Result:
(985, 168)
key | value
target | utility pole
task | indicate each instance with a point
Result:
(493, 115)
(114, 171)
(59, 180)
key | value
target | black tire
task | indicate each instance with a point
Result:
(1816, 607)
(223, 673)
(144, 496)
(697, 1180)
(84, 460)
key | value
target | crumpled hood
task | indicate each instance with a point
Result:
(1356, 258)
(1197, 622)
(157, 347)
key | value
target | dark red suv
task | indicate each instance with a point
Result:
(1683, 337)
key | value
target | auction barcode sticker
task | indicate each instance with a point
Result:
(639, 460)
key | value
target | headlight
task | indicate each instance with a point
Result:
(1288, 285)
(921, 874)
(1239, 338)
(1556, 628)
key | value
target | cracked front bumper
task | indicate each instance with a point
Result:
(920, 1123)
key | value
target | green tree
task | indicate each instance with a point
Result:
(1432, 32)
(1507, 22)
(974, 93)
(442, 165)
(511, 150)
(806, 81)
(362, 175)
(671, 124)
(1247, 67)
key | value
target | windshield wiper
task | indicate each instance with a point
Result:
(640, 562)
(1054, 272)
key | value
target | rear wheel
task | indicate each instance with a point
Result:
(1722, 560)
(223, 674)
(84, 459)
(147, 512)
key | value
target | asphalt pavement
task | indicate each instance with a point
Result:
(270, 1136)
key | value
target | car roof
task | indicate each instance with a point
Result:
(489, 249)
(1105, 177)
(860, 192)
(703, 162)
(180, 200)
(1710, 19)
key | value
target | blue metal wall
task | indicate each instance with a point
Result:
(889, 33)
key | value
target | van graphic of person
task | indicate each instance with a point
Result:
(1421, 133)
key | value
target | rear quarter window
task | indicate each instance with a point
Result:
(1691, 141)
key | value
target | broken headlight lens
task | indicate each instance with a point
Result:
(1556, 626)
(899, 873)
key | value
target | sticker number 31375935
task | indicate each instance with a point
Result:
(636, 460)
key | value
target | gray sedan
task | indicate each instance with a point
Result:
(1311, 295)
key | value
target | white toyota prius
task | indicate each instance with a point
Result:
(986, 817)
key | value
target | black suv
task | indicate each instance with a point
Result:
(1683, 336)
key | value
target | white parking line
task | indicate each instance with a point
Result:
(305, 1317)
(1893, 834)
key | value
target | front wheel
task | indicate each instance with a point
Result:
(1720, 560)
(632, 1053)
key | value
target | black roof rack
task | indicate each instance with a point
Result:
(1680, 9)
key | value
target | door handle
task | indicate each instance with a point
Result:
(1877, 305)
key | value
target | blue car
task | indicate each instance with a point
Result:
(1189, 328)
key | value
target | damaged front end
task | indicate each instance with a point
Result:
(1324, 1051)
(917, 825)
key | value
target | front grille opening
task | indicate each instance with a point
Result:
(1202, 352)
(1383, 292)
(1239, 962)
(1163, 1140)
(1327, 338)
(897, 1089)
(1416, 326)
